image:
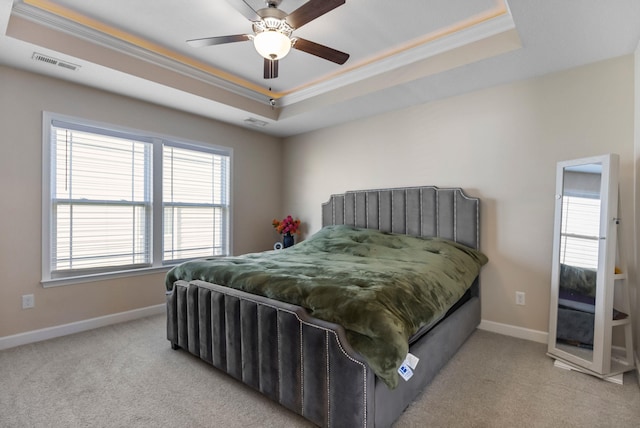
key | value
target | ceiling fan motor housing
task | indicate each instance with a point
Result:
(272, 19)
(273, 3)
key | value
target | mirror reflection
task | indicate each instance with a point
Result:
(579, 242)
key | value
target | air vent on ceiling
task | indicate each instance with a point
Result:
(54, 61)
(255, 122)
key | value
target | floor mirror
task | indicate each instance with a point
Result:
(582, 313)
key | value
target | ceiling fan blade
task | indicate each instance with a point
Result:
(220, 40)
(246, 10)
(310, 11)
(321, 51)
(270, 68)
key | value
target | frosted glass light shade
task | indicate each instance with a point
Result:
(272, 44)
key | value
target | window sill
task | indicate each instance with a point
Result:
(46, 283)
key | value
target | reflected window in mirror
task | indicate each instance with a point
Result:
(580, 231)
(580, 221)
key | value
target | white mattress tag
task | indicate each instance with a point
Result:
(405, 371)
(412, 361)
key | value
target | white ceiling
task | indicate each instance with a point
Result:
(402, 52)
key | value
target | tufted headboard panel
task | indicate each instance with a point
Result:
(417, 211)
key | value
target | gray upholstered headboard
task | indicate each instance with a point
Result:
(417, 211)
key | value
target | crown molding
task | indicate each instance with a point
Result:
(69, 27)
(480, 31)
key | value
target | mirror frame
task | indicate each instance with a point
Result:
(601, 357)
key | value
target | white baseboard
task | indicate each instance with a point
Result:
(512, 330)
(76, 327)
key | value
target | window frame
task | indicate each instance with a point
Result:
(158, 141)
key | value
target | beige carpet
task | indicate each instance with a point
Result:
(126, 375)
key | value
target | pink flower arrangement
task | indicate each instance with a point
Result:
(287, 225)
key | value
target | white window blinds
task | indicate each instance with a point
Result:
(101, 200)
(580, 231)
(117, 201)
(196, 205)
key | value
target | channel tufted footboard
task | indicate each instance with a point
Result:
(301, 362)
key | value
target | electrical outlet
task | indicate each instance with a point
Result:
(520, 298)
(28, 301)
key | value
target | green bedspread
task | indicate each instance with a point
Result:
(380, 287)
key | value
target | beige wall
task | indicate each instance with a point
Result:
(500, 144)
(636, 182)
(23, 97)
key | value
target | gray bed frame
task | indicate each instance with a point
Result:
(306, 364)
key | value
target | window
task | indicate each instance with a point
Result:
(122, 201)
(580, 231)
(195, 203)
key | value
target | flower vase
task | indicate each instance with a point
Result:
(287, 240)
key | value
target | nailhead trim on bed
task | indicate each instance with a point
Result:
(328, 374)
(301, 369)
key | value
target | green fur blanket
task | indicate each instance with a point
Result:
(380, 287)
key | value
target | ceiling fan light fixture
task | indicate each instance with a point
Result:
(273, 35)
(272, 44)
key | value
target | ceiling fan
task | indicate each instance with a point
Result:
(273, 29)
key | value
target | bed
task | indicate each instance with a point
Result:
(307, 364)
